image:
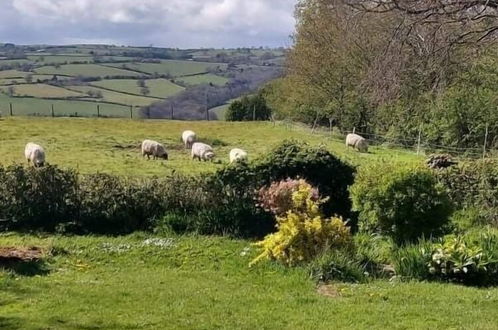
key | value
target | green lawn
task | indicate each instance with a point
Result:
(205, 283)
(112, 145)
(43, 91)
(87, 70)
(116, 97)
(172, 67)
(158, 87)
(204, 79)
(31, 106)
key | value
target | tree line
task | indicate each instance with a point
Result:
(393, 66)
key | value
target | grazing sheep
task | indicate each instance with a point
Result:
(358, 142)
(34, 154)
(237, 155)
(202, 151)
(154, 149)
(188, 137)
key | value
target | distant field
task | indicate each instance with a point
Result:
(172, 67)
(158, 87)
(111, 145)
(43, 90)
(204, 79)
(86, 70)
(116, 97)
(10, 62)
(59, 58)
(32, 106)
(220, 111)
(12, 74)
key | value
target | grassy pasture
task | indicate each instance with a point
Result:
(112, 145)
(205, 283)
(31, 106)
(158, 87)
(43, 91)
(116, 97)
(204, 79)
(12, 74)
(172, 67)
(86, 70)
(59, 58)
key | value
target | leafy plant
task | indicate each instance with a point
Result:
(303, 233)
(405, 203)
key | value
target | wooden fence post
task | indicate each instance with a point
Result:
(98, 110)
(10, 107)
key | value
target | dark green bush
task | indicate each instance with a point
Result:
(36, 198)
(248, 108)
(402, 202)
(473, 188)
(292, 159)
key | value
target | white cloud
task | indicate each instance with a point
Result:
(184, 22)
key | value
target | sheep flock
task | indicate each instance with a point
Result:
(35, 154)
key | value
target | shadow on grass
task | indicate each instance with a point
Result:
(26, 268)
(7, 323)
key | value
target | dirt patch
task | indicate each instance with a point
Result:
(328, 290)
(11, 254)
(129, 146)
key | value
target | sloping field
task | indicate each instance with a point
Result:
(85, 70)
(112, 145)
(12, 74)
(43, 91)
(204, 79)
(116, 97)
(32, 106)
(172, 67)
(158, 87)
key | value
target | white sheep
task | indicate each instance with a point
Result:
(237, 155)
(356, 141)
(189, 137)
(35, 154)
(202, 151)
(154, 149)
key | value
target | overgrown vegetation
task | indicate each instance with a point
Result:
(394, 68)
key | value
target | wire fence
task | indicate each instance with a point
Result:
(414, 145)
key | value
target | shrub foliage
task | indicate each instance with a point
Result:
(404, 203)
(303, 233)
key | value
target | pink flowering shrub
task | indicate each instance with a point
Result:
(277, 198)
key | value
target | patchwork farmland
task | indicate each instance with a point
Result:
(113, 81)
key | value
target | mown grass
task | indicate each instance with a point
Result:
(173, 67)
(204, 79)
(43, 91)
(157, 87)
(112, 145)
(115, 97)
(205, 283)
(86, 70)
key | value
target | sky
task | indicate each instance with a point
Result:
(162, 23)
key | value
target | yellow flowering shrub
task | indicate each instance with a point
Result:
(303, 232)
